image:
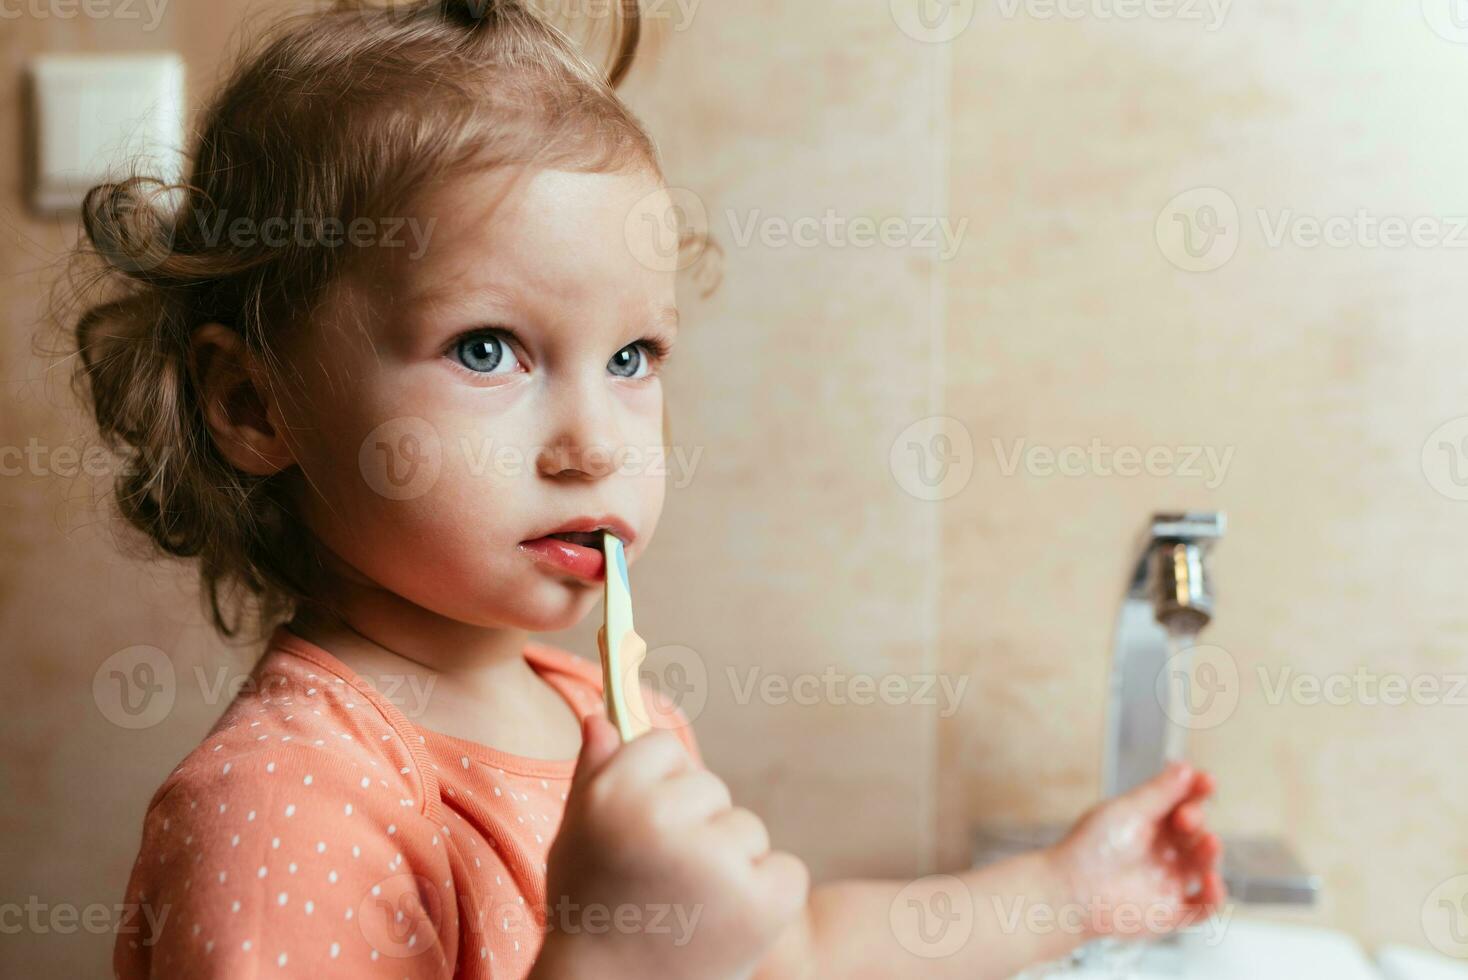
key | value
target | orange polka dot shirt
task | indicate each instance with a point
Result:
(317, 831)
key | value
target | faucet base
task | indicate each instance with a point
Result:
(1257, 870)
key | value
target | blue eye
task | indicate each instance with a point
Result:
(628, 362)
(485, 353)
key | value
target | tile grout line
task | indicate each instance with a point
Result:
(940, 78)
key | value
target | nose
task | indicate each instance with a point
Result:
(583, 437)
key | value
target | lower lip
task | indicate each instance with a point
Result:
(578, 560)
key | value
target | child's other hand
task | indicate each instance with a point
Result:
(1144, 863)
(649, 838)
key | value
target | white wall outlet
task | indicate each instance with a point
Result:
(98, 116)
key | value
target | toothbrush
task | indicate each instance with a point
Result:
(622, 649)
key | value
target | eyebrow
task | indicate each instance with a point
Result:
(452, 289)
(668, 315)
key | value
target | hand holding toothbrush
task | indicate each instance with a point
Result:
(645, 830)
(648, 834)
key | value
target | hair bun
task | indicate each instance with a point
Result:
(130, 226)
(467, 11)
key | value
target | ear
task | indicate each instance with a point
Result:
(239, 407)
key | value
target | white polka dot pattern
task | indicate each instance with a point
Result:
(317, 832)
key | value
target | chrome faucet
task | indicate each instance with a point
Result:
(1170, 595)
(1168, 602)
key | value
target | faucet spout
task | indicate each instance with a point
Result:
(1169, 601)
(1184, 599)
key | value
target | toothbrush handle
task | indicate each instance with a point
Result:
(621, 682)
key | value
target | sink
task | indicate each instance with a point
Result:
(1410, 963)
(1233, 949)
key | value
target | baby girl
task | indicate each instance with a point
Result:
(307, 411)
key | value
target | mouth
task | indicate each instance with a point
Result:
(587, 531)
(586, 539)
(576, 548)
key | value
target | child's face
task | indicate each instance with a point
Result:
(458, 403)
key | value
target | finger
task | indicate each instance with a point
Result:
(1197, 869)
(648, 759)
(1215, 891)
(1186, 819)
(1210, 847)
(695, 795)
(1203, 786)
(599, 742)
(784, 880)
(745, 831)
(1209, 897)
(1203, 856)
(1162, 792)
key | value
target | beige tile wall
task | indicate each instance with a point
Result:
(1324, 370)
(797, 551)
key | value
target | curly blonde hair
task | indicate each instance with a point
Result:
(335, 114)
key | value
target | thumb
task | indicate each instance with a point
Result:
(1158, 795)
(599, 742)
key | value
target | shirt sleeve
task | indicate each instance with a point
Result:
(288, 863)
